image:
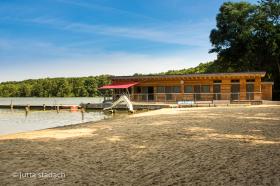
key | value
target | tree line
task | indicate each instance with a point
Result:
(75, 87)
(55, 87)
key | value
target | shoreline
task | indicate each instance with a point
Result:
(139, 114)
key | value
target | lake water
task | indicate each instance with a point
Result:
(16, 120)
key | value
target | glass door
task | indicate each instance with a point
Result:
(196, 89)
(250, 91)
(235, 91)
(150, 93)
(144, 93)
(217, 91)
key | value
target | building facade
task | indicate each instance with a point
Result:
(193, 87)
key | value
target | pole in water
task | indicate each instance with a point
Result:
(57, 108)
(44, 107)
(12, 106)
(83, 113)
(26, 111)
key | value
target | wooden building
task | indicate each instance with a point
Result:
(193, 87)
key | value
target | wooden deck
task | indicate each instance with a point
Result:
(136, 105)
(155, 106)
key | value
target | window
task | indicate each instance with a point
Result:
(172, 89)
(160, 89)
(205, 88)
(250, 91)
(144, 90)
(168, 90)
(176, 89)
(137, 89)
(188, 89)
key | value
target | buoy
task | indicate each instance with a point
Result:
(74, 108)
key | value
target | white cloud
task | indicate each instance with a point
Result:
(190, 34)
(107, 9)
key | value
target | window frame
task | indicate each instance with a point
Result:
(202, 90)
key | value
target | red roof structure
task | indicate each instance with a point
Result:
(122, 85)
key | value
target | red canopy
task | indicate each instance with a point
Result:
(119, 85)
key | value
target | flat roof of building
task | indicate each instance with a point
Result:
(232, 74)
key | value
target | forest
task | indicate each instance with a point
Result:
(55, 87)
(246, 38)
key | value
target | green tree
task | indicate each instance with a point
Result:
(24, 90)
(9, 90)
(247, 38)
(37, 89)
(63, 88)
(78, 88)
(231, 39)
(91, 86)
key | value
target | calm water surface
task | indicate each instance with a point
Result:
(13, 121)
(17, 121)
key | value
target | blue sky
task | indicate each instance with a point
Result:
(57, 38)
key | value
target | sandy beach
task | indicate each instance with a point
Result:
(192, 146)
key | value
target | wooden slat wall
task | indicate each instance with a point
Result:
(257, 88)
(242, 89)
(225, 85)
(225, 88)
(266, 91)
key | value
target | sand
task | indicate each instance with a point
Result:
(191, 146)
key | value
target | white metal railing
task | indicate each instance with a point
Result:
(175, 97)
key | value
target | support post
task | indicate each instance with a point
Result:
(57, 108)
(12, 106)
(26, 111)
(83, 113)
